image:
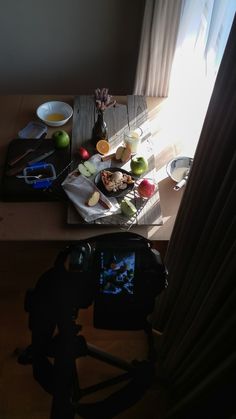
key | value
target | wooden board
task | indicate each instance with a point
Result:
(134, 114)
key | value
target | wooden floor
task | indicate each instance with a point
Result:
(21, 397)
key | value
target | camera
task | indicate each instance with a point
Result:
(124, 276)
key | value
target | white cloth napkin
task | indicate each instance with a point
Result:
(79, 189)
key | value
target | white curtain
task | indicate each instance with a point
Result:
(157, 47)
(182, 44)
(203, 33)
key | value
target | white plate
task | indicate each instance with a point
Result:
(55, 113)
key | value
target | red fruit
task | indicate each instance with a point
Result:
(84, 154)
(146, 188)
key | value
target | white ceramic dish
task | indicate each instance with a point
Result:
(177, 167)
(55, 113)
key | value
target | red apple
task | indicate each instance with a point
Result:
(146, 188)
(84, 154)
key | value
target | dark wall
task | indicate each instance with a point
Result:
(69, 46)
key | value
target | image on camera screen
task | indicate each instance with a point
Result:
(117, 269)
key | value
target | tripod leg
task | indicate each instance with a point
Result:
(76, 391)
(151, 346)
(64, 371)
(109, 359)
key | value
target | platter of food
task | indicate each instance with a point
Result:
(114, 182)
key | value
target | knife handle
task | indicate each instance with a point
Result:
(15, 170)
(108, 157)
(104, 204)
(19, 157)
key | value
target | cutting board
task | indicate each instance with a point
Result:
(14, 189)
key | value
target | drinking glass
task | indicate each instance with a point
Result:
(132, 139)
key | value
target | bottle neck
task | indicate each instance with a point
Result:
(100, 115)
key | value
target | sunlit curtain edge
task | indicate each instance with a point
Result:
(157, 46)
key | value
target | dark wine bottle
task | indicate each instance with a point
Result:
(99, 129)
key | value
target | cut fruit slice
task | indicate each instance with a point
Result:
(123, 154)
(120, 150)
(127, 207)
(90, 166)
(126, 155)
(103, 146)
(94, 199)
(83, 170)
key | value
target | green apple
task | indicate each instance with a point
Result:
(87, 168)
(90, 166)
(138, 165)
(127, 207)
(83, 170)
(61, 139)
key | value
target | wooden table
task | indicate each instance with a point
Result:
(132, 114)
(48, 220)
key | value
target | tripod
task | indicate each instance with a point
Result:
(54, 305)
(66, 390)
(138, 374)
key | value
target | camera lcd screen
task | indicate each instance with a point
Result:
(117, 271)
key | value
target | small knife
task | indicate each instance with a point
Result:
(21, 156)
(18, 169)
(41, 157)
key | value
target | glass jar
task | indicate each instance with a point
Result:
(132, 139)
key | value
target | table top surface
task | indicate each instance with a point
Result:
(36, 221)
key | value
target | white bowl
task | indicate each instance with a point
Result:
(176, 168)
(55, 113)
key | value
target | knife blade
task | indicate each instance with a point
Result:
(41, 157)
(18, 169)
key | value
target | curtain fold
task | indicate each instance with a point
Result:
(157, 47)
(196, 352)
